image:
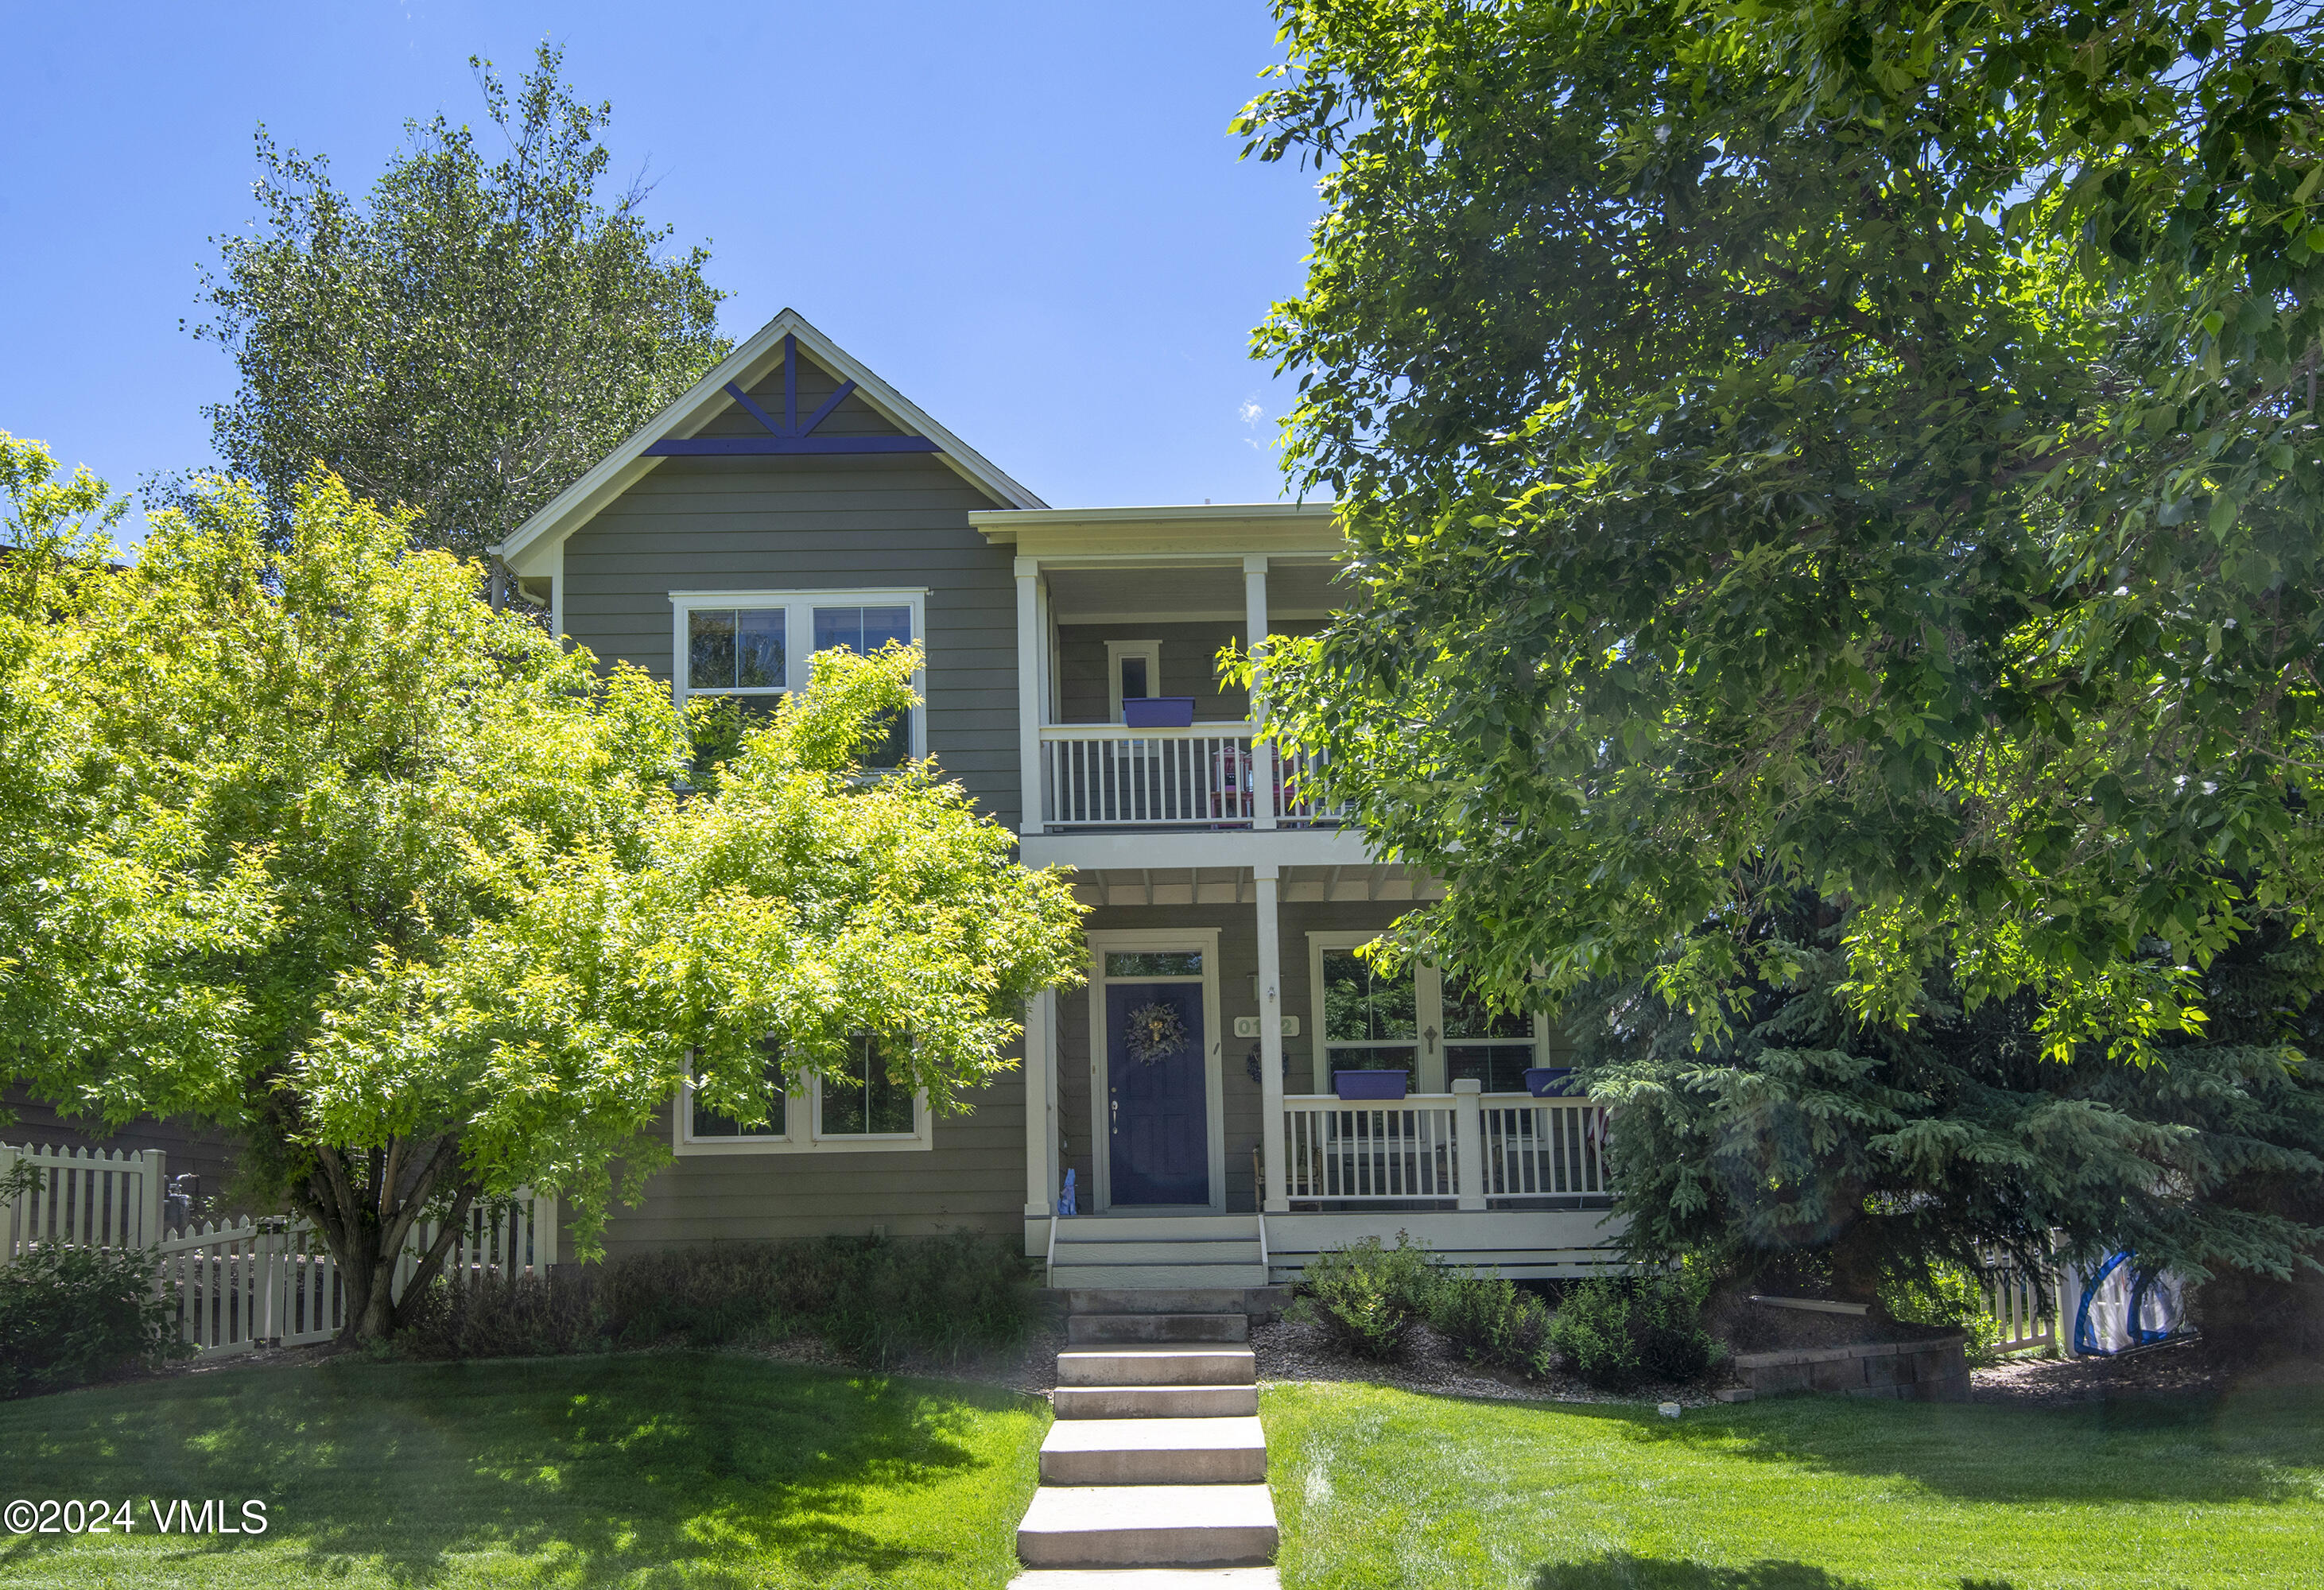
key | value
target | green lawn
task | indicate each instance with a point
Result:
(1378, 1487)
(648, 1471)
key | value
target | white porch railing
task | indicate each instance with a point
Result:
(1544, 1148)
(1210, 775)
(1344, 1151)
(1464, 1146)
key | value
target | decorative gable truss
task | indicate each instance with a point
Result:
(788, 435)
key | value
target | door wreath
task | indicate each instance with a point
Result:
(1155, 1033)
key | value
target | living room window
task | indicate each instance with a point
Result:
(1417, 1020)
(863, 1109)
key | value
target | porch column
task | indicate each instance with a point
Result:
(1467, 1143)
(1041, 1172)
(1272, 1197)
(1267, 794)
(1029, 669)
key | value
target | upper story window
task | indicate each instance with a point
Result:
(1133, 673)
(754, 645)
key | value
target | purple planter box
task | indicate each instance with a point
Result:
(1550, 1081)
(1158, 711)
(1370, 1084)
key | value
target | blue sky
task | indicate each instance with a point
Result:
(1029, 217)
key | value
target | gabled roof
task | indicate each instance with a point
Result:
(744, 368)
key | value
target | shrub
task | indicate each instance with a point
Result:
(1949, 1296)
(1619, 1332)
(1369, 1295)
(1492, 1321)
(873, 1298)
(69, 1316)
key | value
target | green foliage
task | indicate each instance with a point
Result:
(1622, 1332)
(470, 341)
(313, 844)
(1492, 1321)
(69, 1316)
(876, 1300)
(1369, 1294)
(1885, 1151)
(1949, 1295)
(1867, 453)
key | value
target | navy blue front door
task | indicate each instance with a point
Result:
(1160, 1148)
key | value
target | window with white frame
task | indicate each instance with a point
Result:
(1416, 1020)
(861, 1108)
(754, 646)
(1133, 670)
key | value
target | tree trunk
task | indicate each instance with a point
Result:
(367, 1203)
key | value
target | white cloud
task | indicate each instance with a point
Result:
(1251, 411)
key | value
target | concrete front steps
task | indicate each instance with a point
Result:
(1155, 1473)
(1157, 1253)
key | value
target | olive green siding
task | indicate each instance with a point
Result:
(816, 522)
(973, 1178)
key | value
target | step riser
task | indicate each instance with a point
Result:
(1071, 1251)
(1204, 1277)
(1225, 1299)
(1159, 1227)
(1234, 1545)
(1163, 1402)
(1158, 1327)
(1234, 1465)
(1215, 1367)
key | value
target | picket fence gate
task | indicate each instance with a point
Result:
(251, 1283)
(2015, 1297)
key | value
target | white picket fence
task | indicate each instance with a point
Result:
(251, 1283)
(2014, 1298)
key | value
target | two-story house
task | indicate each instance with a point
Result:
(794, 501)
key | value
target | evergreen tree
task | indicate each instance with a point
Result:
(1883, 1148)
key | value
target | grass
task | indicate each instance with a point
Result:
(644, 1470)
(1379, 1487)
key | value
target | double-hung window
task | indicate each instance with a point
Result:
(861, 1108)
(754, 646)
(1416, 1020)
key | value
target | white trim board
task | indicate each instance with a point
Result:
(615, 472)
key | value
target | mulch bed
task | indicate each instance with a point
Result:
(2191, 1368)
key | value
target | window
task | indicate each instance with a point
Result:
(868, 1102)
(863, 1110)
(1370, 1022)
(707, 1122)
(1421, 1020)
(1156, 963)
(735, 650)
(864, 630)
(1495, 1048)
(1133, 673)
(755, 645)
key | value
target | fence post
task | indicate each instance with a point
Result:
(544, 1233)
(1468, 1143)
(156, 1188)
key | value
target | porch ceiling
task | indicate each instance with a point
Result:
(1188, 592)
(1234, 885)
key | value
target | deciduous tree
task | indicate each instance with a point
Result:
(314, 844)
(470, 340)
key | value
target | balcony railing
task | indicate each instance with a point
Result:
(1210, 775)
(1467, 1148)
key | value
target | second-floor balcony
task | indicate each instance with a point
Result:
(1207, 775)
(1123, 610)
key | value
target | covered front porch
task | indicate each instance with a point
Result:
(1189, 1091)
